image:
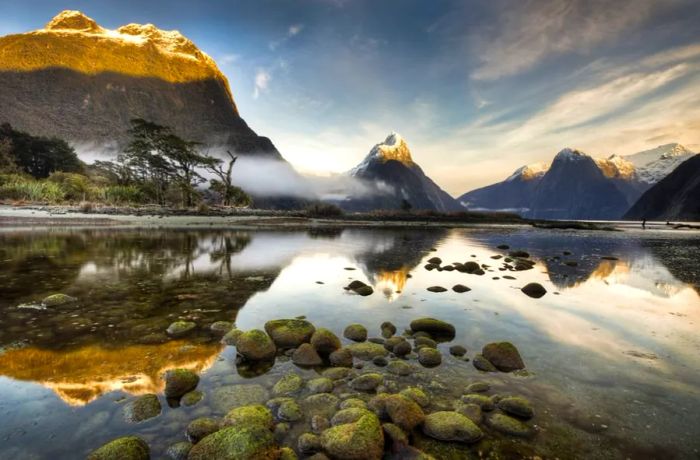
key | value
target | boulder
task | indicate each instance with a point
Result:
(361, 440)
(355, 332)
(289, 333)
(200, 428)
(451, 426)
(179, 381)
(255, 414)
(429, 357)
(255, 345)
(516, 405)
(325, 341)
(341, 358)
(124, 448)
(534, 290)
(180, 328)
(367, 350)
(504, 356)
(306, 355)
(142, 408)
(404, 412)
(241, 442)
(435, 327)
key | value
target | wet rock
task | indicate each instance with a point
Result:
(367, 350)
(391, 342)
(402, 348)
(178, 451)
(478, 387)
(237, 443)
(325, 341)
(519, 254)
(200, 428)
(434, 327)
(469, 267)
(377, 340)
(396, 436)
(516, 405)
(323, 404)
(378, 405)
(142, 408)
(417, 395)
(458, 350)
(430, 267)
(404, 412)
(361, 440)
(482, 401)
(221, 327)
(56, 300)
(254, 414)
(227, 397)
(337, 373)
(429, 357)
(289, 411)
(503, 355)
(341, 357)
(231, 337)
(179, 381)
(421, 342)
(319, 424)
(509, 425)
(435, 261)
(436, 289)
(355, 332)
(388, 329)
(460, 288)
(180, 328)
(308, 443)
(349, 415)
(534, 290)
(320, 385)
(191, 398)
(289, 333)
(358, 287)
(287, 453)
(471, 411)
(353, 402)
(451, 426)
(380, 361)
(366, 382)
(124, 448)
(483, 364)
(398, 367)
(306, 355)
(289, 384)
(256, 345)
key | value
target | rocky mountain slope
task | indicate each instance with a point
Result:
(675, 197)
(79, 81)
(655, 164)
(512, 195)
(393, 179)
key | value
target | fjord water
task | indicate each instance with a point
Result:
(612, 350)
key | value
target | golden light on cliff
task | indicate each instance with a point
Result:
(391, 283)
(82, 375)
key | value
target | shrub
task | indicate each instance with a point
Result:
(17, 187)
(123, 194)
(321, 209)
(76, 187)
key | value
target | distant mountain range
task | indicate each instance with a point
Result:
(674, 197)
(394, 181)
(577, 186)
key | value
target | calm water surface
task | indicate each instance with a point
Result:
(612, 350)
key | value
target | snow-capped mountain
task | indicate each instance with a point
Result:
(511, 195)
(655, 164)
(394, 181)
(79, 81)
(675, 197)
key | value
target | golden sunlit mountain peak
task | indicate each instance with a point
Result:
(73, 20)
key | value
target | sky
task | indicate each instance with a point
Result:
(477, 88)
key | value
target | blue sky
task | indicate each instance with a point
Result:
(477, 88)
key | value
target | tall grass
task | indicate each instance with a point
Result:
(19, 188)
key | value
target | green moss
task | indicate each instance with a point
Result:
(179, 381)
(367, 350)
(126, 448)
(57, 299)
(417, 395)
(510, 426)
(287, 453)
(191, 398)
(289, 333)
(361, 440)
(255, 345)
(249, 415)
(252, 442)
(288, 384)
(142, 408)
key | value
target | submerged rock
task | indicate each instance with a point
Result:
(287, 385)
(358, 287)
(124, 448)
(451, 426)
(460, 288)
(367, 350)
(436, 289)
(402, 348)
(388, 329)
(306, 355)
(503, 355)
(434, 327)
(366, 382)
(323, 404)
(191, 398)
(349, 415)
(483, 364)
(178, 451)
(458, 350)
(179, 381)
(325, 341)
(429, 357)
(289, 333)
(56, 300)
(471, 411)
(142, 408)
(221, 327)
(399, 367)
(478, 387)
(396, 436)
(180, 328)
(482, 401)
(417, 395)
(404, 412)
(534, 290)
(341, 357)
(200, 428)
(516, 405)
(356, 332)
(228, 397)
(509, 425)
(308, 443)
(255, 345)
(320, 385)
(361, 440)
(251, 442)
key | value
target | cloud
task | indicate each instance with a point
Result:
(292, 31)
(262, 81)
(227, 59)
(530, 31)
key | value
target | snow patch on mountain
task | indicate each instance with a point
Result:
(616, 167)
(529, 172)
(394, 148)
(655, 164)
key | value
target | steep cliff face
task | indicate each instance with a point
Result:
(79, 81)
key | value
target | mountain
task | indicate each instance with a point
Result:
(574, 187)
(81, 82)
(512, 195)
(655, 164)
(391, 176)
(675, 197)
(623, 174)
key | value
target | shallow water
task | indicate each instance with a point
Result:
(612, 350)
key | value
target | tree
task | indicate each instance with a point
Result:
(230, 194)
(406, 205)
(7, 160)
(39, 156)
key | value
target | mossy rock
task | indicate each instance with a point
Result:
(289, 333)
(306, 355)
(478, 387)
(227, 397)
(289, 411)
(429, 357)
(355, 332)
(287, 453)
(458, 350)
(252, 442)
(516, 405)
(443, 450)
(504, 356)
(367, 382)
(178, 451)
(451, 426)
(436, 328)
(179, 381)
(200, 428)
(353, 402)
(470, 410)
(56, 300)
(320, 385)
(398, 367)
(231, 337)
(509, 425)
(367, 350)
(341, 357)
(534, 290)
(325, 341)
(337, 373)
(349, 415)
(323, 404)
(256, 345)
(402, 348)
(289, 384)
(361, 440)
(485, 402)
(416, 394)
(125, 448)
(142, 408)
(404, 412)
(221, 327)
(391, 342)
(388, 329)
(483, 364)
(191, 398)
(255, 414)
(180, 328)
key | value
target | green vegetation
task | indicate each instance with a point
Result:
(157, 167)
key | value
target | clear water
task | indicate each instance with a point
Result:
(612, 350)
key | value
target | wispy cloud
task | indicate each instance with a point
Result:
(292, 31)
(530, 31)
(228, 59)
(262, 81)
